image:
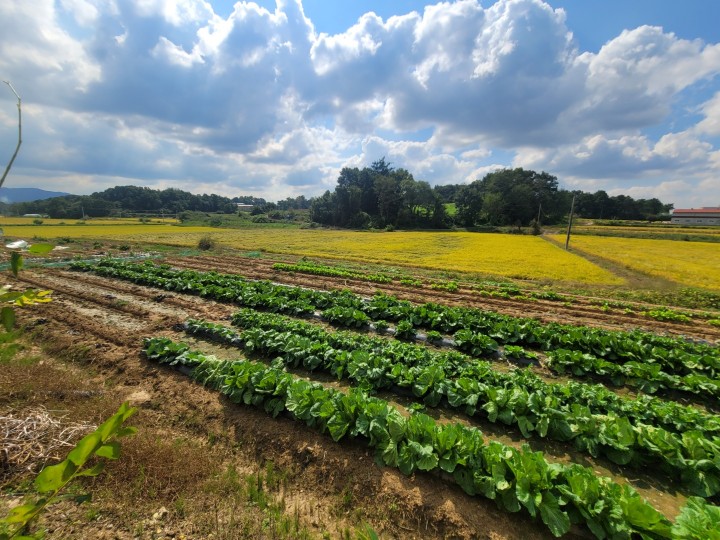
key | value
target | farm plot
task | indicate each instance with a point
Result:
(513, 256)
(535, 303)
(332, 490)
(688, 263)
(591, 420)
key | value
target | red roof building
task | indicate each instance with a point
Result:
(707, 215)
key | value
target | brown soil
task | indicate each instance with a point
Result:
(172, 479)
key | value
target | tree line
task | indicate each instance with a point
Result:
(121, 200)
(380, 196)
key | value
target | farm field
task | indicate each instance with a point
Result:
(510, 256)
(94, 330)
(649, 229)
(688, 263)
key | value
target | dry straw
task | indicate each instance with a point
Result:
(32, 437)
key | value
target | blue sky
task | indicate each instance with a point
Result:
(273, 99)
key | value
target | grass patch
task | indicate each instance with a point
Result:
(9, 346)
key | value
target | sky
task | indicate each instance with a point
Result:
(274, 98)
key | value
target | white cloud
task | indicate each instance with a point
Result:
(174, 54)
(710, 125)
(632, 81)
(83, 11)
(176, 12)
(620, 158)
(40, 57)
(258, 100)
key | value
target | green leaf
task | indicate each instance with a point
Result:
(427, 460)
(389, 452)
(85, 448)
(94, 471)
(22, 513)
(557, 521)
(640, 515)
(525, 425)
(109, 450)
(124, 432)
(53, 477)
(396, 425)
(16, 262)
(7, 317)
(697, 519)
(338, 426)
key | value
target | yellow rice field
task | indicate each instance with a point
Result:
(511, 256)
(689, 263)
(629, 230)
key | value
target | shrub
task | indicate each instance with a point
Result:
(206, 243)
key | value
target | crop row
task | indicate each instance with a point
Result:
(517, 398)
(674, 356)
(331, 271)
(516, 479)
(646, 409)
(647, 377)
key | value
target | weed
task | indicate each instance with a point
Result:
(206, 243)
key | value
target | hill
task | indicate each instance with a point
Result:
(15, 195)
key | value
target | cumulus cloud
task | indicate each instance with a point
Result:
(710, 124)
(621, 158)
(162, 91)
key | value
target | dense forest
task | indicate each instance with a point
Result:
(378, 196)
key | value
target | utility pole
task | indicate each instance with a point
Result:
(572, 209)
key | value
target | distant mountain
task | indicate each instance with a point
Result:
(13, 195)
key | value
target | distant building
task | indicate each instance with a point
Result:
(245, 207)
(707, 215)
(32, 215)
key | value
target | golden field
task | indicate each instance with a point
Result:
(512, 256)
(687, 263)
(648, 230)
